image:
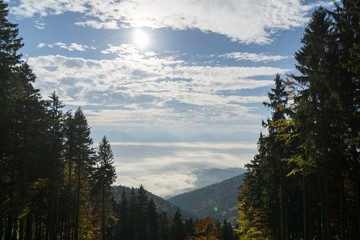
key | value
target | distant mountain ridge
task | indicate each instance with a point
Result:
(170, 137)
(206, 177)
(218, 200)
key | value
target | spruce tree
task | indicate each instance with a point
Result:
(56, 138)
(324, 113)
(10, 44)
(104, 177)
(80, 160)
(152, 219)
(265, 193)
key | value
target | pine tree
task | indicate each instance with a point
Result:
(227, 232)
(56, 138)
(10, 44)
(254, 217)
(80, 165)
(152, 219)
(26, 133)
(276, 126)
(265, 192)
(326, 119)
(177, 229)
(347, 28)
(104, 177)
(123, 228)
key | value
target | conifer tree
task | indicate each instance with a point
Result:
(80, 165)
(325, 111)
(104, 177)
(152, 219)
(318, 140)
(177, 229)
(10, 44)
(265, 190)
(122, 228)
(56, 138)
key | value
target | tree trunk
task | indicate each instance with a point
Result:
(10, 219)
(28, 231)
(103, 211)
(68, 212)
(305, 210)
(77, 216)
(327, 204)
(357, 186)
(283, 225)
(342, 204)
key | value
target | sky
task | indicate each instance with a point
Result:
(177, 86)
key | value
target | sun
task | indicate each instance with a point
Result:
(141, 38)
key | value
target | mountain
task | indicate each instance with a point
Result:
(164, 136)
(161, 204)
(218, 200)
(240, 136)
(206, 177)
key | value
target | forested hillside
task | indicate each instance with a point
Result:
(218, 200)
(161, 204)
(304, 181)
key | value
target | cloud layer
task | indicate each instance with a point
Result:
(71, 47)
(119, 86)
(240, 56)
(245, 21)
(168, 169)
(149, 88)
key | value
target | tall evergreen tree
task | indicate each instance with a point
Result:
(265, 193)
(347, 29)
(177, 229)
(326, 113)
(56, 138)
(152, 219)
(80, 165)
(122, 227)
(10, 44)
(319, 140)
(26, 132)
(104, 177)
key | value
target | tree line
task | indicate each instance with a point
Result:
(54, 184)
(304, 183)
(139, 219)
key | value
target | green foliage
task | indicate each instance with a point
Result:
(217, 200)
(104, 176)
(46, 156)
(304, 182)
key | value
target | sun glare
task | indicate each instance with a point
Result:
(141, 38)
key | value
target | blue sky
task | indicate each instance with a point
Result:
(190, 87)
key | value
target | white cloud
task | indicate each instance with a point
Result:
(244, 21)
(41, 45)
(162, 184)
(29, 8)
(71, 47)
(112, 24)
(195, 145)
(254, 57)
(39, 24)
(169, 168)
(149, 88)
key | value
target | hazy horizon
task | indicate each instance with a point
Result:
(144, 72)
